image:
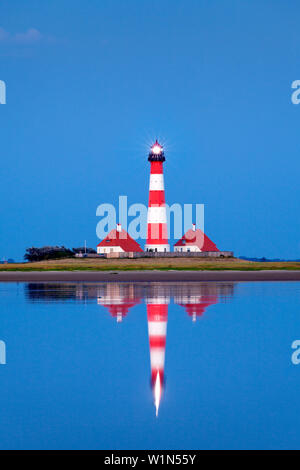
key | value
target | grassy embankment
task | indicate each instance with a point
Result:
(163, 264)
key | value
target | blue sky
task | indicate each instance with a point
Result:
(90, 84)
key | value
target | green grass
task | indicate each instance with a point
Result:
(238, 267)
(149, 264)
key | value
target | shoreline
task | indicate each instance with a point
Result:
(148, 276)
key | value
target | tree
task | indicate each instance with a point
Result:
(47, 252)
(83, 249)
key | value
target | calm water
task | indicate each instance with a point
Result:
(149, 366)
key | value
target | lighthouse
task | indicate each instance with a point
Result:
(157, 314)
(157, 230)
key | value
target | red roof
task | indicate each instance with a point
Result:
(198, 238)
(121, 239)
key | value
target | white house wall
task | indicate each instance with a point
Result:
(185, 249)
(109, 249)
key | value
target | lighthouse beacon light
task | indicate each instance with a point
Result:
(157, 148)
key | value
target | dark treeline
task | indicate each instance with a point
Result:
(82, 249)
(54, 252)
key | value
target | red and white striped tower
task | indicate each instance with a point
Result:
(157, 229)
(157, 313)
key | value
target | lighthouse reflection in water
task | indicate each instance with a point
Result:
(120, 298)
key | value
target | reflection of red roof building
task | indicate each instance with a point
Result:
(196, 307)
(195, 240)
(196, 298)
(118, 240)
(118, 299)
(120, 311)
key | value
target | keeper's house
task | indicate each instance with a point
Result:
(195, 240)
(118, 241)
